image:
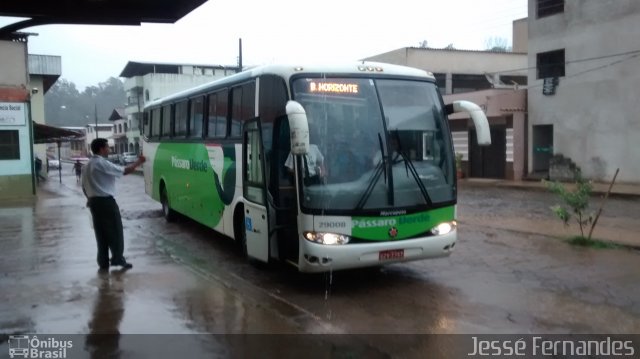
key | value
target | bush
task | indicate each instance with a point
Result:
(576, 202)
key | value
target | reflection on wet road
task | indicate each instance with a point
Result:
(188, 280)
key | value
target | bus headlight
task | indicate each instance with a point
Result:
(443, 228)
(326, 238)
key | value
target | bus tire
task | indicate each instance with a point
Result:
(168, 213)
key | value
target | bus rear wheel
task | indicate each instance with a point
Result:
(167, 212)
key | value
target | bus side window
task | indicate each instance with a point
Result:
(196, 117)
(145, 124)
(236, 111)
(155, 122)
(222, 109)
(180, 119)
(166, 121)
(243, 106)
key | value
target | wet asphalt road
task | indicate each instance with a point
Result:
(508, 274)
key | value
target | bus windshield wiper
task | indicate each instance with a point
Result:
(381, 167)
(374, 179)
(414, 172)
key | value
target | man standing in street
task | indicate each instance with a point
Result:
(98, 184)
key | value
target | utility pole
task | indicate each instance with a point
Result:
(240, 55)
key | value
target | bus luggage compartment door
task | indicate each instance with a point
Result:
(257, 231)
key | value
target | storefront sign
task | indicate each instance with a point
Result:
(12, 114)
(549, 86)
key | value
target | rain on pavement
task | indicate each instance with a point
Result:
(508, 274)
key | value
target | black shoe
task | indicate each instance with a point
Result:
(103, 269)
(124, 264)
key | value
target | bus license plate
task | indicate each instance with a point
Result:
(392, 254)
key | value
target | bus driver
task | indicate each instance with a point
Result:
(313, 164)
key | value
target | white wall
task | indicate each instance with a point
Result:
(595, 109)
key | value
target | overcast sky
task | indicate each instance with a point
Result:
(290, 31)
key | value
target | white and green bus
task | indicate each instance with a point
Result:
(326, 168)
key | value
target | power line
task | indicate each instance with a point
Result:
(636, 55)
(571, 61)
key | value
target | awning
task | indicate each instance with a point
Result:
(49, 134)
(102, 12)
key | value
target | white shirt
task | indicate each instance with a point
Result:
(314, 159)
(395, 156)
(99, 177)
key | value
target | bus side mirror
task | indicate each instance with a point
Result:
(299, 128)
(477, 115)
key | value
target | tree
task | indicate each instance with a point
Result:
(576, 203)
(423, 44)
(497, 44)
(64, 105)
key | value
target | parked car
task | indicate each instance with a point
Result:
(114, 158)
(54, 163)
(128, 158)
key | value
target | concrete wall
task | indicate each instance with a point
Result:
(13, 57)
(520, 35)
(594, 112)
(37, 112)
(455, 61)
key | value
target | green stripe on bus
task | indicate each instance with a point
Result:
(404, 226)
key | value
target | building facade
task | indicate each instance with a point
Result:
(496, 81)
(146, 82)
(583, 86)
(75, 148)
(120, 129)
(16, 156)
(24, 79)
(103, 130)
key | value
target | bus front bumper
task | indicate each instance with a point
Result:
(322, 258)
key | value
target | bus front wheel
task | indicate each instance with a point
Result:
(168, 213)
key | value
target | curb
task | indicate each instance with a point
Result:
(534, 186)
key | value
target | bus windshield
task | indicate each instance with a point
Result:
(378, 145)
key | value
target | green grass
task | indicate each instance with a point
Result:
(592, 243)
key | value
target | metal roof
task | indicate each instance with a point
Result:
(138, 68)
(50, 134)
(117, 114)
(49, 67)
(94, 12)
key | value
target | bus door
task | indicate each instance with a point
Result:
(255, 211)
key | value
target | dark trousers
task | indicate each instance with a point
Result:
(107, 224)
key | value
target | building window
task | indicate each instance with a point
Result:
(469, 82)
(9, 145)
(549, 7)
(550, 64)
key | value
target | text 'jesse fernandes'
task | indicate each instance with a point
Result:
(540, 346)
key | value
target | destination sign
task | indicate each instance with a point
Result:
(332, 87)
